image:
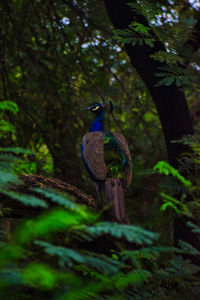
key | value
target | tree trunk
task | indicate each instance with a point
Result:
(170, 101)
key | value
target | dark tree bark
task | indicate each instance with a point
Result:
(170, 101)
(28, 182)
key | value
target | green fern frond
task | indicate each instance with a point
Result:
(134, 278)
(129, 232)
(69, 256)
(9, 105)
(182, 268)
(16, 150)
(68, 203)
(187, 248)
(11, 276)
(57, 220)
(169, 58)
(27, 200)
(194, 227)
(8, 178)
(179, 206)
(164, 167)
(58, 198)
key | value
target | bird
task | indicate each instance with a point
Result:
(107, 159)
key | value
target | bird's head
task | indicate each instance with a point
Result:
(96, 108)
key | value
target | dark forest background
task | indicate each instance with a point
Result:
(56, 57)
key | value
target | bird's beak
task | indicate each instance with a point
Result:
(87, 108)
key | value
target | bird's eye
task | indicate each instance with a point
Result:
(95, 108)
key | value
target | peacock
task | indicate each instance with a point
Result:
(107, 159)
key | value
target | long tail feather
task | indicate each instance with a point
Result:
(115, 196)
(100, 193)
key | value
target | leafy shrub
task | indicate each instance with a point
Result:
(66, 253)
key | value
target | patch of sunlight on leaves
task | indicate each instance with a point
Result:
(9, 105)
(18, 164)
(164, 168)
(24, 167)
(149, 117)
(6, 126)
(55, 220)
(39, 275)
(129, 232)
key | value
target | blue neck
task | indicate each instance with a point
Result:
(97, 125)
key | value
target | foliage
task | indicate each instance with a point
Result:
(86, 65)
(56, 57)
(57, 252)
(165, 168)
(5, 126)
(177, 184)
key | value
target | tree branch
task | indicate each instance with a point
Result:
(33, 181)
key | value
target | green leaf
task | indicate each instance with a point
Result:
(39, 275)
(8, 178)
(149, 117)
(12, 276)
(6, 126)
(16, 150)
(66, 255)
(177, 205)
(48, 223)
(9, 105)
(167, 81)
(164, 168)
(59, 199)
(182, 268)
(129, 232)
(140, 28)
(194, 227)
(135, 277)
(25, 199)
(187, 248)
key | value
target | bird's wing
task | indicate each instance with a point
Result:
(93, 154)
(124, 146)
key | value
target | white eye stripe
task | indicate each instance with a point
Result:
(95, 108)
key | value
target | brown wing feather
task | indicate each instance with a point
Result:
(124, 146)
(93, 154)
